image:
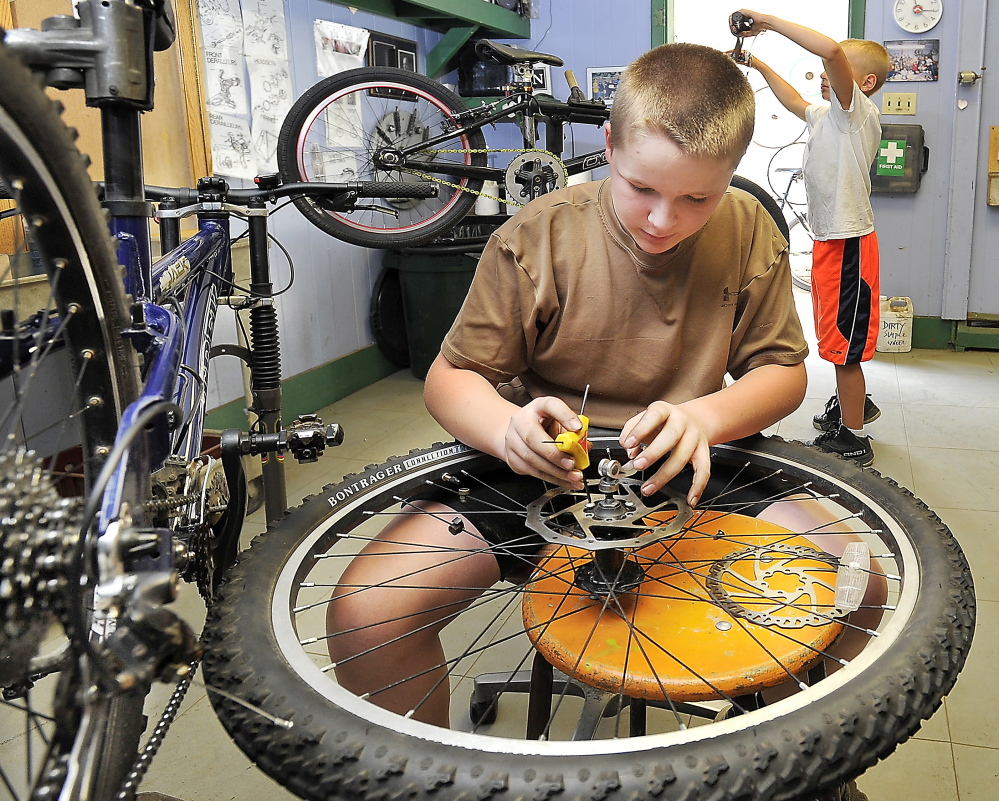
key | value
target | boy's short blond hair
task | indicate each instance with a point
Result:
(871, 57)
(692, 94)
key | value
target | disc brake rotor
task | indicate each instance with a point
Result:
(776, 585)
(596, 520)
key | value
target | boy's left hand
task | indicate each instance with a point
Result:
(667, 428)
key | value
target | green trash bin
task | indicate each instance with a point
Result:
(433, 289)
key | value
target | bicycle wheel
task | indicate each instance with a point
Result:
(766, 200)
(66, 376)
(801, 239)
(354, 127)
(726, 608)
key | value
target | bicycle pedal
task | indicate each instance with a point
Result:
(306, 438)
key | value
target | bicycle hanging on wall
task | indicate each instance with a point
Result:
(793, 208)
(379, 123)
(677, 652)
(384, 124)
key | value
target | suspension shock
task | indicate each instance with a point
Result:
(265, 370)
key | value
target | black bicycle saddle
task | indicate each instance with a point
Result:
(499, 53)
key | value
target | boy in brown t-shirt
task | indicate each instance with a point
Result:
(649, 287)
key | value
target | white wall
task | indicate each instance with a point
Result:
(778, 140)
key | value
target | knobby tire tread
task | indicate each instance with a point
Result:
(39, 119)
(330, 752)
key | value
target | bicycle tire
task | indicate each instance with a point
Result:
(62, 232)
(800, 241)
(372, 110)
(766, 200)
(337, 744)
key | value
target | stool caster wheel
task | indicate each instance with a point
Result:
(482, 713)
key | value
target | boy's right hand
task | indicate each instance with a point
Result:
(757, 20)
(529, 448)
(665, 428)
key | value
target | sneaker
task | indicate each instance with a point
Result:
(850, 792)
(830, 419)
(847, 444)
(844, 792)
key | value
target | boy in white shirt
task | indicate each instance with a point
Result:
(843, 141)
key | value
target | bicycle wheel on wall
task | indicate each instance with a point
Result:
(354, 126)
(800, 239)
(66, 376)
(725, 653)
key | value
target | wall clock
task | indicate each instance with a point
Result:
(917, 16)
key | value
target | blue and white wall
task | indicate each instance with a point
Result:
(324, 316)
(939, 246)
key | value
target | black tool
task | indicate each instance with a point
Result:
(739, 22)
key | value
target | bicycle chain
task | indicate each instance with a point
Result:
(460, 188)
(145, 757)
(170, 505)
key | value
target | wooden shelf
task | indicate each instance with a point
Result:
(458, 20)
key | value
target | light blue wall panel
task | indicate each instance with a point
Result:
(913, 229)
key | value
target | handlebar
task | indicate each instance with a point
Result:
(210, 190)
(242, 197)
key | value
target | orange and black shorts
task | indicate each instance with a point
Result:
(845, 298)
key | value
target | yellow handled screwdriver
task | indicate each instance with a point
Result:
(574, 442)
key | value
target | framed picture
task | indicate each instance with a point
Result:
(407, 59)
(390, 51)
(601, 83)
(913, 59)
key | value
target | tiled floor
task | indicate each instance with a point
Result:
(938, 436)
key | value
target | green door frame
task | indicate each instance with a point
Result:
(662, 20)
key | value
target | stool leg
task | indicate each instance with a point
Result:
(539, 705)
(636, 725)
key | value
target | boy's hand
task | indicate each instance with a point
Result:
(529, 448)
(742, 57)
(757, 20)
(666, 428)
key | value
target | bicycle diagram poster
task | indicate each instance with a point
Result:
(272, 95)
(231, 146)
(248, 82)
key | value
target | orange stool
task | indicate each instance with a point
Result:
(731, 606)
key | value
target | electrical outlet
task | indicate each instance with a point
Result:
(900, 103)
